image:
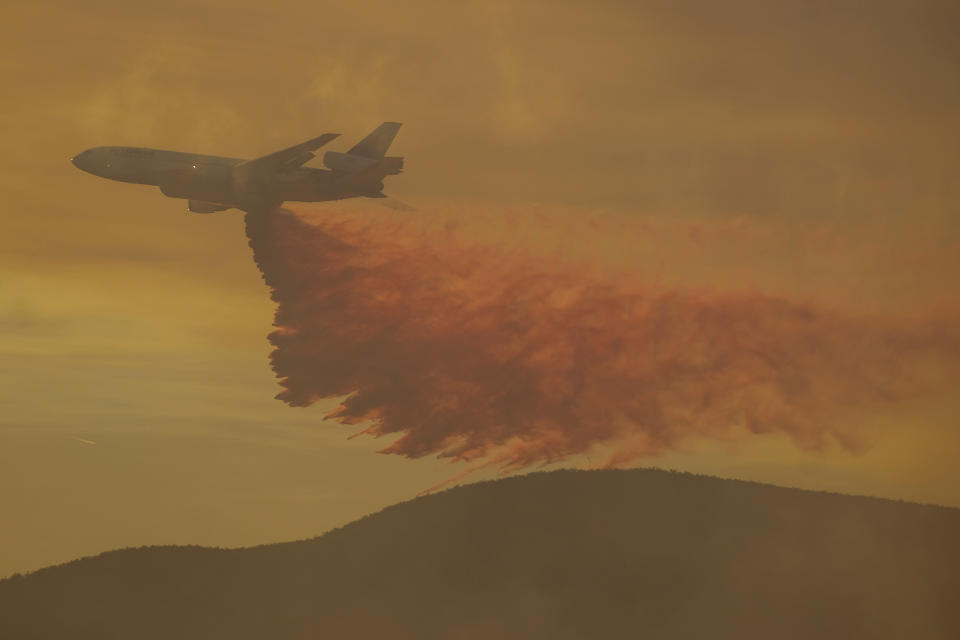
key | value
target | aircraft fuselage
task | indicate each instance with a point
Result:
(215, 183)
(210, 178)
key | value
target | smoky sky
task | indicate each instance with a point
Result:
(811, 145)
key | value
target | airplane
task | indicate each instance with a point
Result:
(214, 183)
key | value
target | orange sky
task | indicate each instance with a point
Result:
(803, 148)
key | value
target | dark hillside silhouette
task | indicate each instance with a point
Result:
(568, 554)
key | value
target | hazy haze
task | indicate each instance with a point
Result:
(804, 149)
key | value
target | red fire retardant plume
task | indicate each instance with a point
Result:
(505, 358)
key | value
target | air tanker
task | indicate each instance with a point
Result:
(215, 183)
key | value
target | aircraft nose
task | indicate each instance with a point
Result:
(83, 161)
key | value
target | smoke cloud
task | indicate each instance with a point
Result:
(512, 358)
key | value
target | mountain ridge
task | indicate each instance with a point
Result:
(552, 554)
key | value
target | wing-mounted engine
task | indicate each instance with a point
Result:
(202, 206)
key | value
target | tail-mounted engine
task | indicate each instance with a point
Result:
(351, 163)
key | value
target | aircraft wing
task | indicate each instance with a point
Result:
(284, 160)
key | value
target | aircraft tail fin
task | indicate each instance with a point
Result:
(376, 144)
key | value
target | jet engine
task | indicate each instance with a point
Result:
(202, 206)
(351, 163)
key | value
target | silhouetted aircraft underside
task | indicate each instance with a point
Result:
(214, 183)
